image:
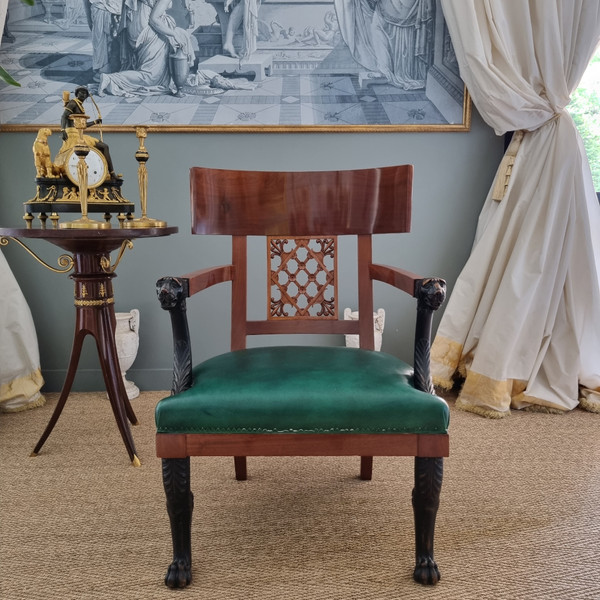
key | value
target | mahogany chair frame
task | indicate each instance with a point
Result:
(296, 204)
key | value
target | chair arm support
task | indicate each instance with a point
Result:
(430, 294)
(172, 292)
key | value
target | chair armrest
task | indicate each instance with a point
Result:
(172, 293)
(205, 278)
(430, 293)
(399, 278)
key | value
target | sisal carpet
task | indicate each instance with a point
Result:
(519, 517)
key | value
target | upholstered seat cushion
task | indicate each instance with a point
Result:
(302, 389)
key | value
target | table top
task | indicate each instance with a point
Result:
(87, 234)
(87, 241)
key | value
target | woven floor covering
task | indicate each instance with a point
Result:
(519, 517)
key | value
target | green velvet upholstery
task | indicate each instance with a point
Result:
(311, 390)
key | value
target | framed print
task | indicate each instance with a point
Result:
(234, 65)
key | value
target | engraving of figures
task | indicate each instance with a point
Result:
(152, 36)
(329, 35)
(388, 64)
(232, 14)
(104, 18)
(74, 14)
(392, 37)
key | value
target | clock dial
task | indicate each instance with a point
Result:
(96, 164)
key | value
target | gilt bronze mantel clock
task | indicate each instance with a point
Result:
(58, 185)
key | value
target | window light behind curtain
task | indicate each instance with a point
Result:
(522, 325)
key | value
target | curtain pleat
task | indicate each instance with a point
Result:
(20, 375)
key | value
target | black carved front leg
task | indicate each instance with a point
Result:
(429, 473)
(180, 504)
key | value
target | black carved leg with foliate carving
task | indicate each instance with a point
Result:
(172, 293)
(430, 294)
(180, 504)
(429, 473)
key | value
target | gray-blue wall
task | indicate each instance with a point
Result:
(453, 172)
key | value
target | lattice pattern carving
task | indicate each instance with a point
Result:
(302, 278)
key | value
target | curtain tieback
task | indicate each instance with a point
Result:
(508, 160)
(506, 166)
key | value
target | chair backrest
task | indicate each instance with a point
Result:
(301, 213)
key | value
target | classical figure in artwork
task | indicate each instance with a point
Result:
(391, 37)
(152, 37)
(232, 14)
(328, 35)
(103, 19)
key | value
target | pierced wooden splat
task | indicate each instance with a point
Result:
(302, 278)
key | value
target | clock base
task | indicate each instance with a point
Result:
(56, 195)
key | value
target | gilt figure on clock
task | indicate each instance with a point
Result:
(57, 182)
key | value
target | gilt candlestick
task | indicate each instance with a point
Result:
(142, 157)
(81, 150)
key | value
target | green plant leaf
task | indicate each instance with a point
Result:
(4, 75)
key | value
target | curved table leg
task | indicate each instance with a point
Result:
(109, 361)
(73, 362)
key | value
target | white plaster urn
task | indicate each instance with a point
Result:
(378, 323)
(128, 340)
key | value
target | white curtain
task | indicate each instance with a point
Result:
(20, 375)
(522, 326)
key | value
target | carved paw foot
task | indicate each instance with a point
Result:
(179, 574)
(426, 570)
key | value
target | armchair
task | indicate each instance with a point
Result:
(301, 400)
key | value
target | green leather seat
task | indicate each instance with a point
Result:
(312, 390)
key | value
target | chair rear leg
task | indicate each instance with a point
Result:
(426, 499)
(366, 467)
(180, 504)
(241, 468)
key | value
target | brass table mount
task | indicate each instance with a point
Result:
(65, 261)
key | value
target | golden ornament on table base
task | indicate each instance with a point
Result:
(142, 157)
(81, 150)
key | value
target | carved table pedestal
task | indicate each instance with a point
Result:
(92, 273)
